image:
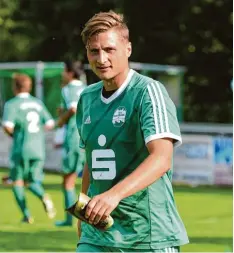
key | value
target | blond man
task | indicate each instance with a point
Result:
(128, 128)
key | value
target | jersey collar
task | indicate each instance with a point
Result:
(23, 95)
(120, 90)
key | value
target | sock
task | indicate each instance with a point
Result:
(70, 199)
(37, 189)
(20, 199)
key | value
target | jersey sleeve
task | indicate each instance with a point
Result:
(9, 115)
(71, 97)
(79, 119)
(61, 102)
(158, 115)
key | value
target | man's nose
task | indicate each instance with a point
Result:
(102, 57)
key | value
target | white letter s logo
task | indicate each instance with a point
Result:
(109, 165)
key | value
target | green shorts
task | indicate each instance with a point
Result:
(85, 247)
(28, 170)
(73, 162)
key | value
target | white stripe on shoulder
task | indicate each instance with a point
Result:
(177, 138)
(65, 92)
(159, 107)
(154, 109)
(164, 106)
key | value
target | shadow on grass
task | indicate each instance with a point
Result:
(203, 189)
(65, 241)
(58, 186)
(38, 241)
(55, 186)
(211, 240)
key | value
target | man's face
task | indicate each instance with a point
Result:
(108, 54)
(67, 76)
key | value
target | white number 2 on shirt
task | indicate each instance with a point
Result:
(33, 119)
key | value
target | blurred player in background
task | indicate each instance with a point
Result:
(128, 127)
(25, 118)
(73, 158)
(59, 135)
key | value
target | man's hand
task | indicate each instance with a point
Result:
(101, 206)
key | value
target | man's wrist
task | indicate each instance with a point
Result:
(116, 193)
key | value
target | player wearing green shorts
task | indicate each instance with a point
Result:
(128, 128)
(25, 118)
(73, 158)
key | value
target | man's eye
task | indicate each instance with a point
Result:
(93, 51)
(109, 50)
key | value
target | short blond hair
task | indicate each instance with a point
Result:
(102, 22)
(22, 82)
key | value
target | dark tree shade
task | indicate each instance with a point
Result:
(196, 34)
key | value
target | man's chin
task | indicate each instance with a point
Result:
(105, 76)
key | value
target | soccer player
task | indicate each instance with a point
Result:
(24, 119)
(73, 160)
(128, 128)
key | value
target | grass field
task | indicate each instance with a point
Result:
(206, 212)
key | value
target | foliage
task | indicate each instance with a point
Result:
(196, 34)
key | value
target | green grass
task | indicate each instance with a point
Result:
(206, 212)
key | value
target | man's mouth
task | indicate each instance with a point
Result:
(103, 67)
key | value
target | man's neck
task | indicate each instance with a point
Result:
(116, 82)
(22, 94)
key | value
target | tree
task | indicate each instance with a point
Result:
(196, 34)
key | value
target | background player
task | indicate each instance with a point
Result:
(25, 118)
(73, 160)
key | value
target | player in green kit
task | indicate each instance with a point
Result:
(73, 160)
(25, 118)
(128, 128)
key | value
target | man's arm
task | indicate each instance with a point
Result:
(9, 116)
(85, 179)
(151, 169)
(64, 117)
(84, 189)
(8, 130)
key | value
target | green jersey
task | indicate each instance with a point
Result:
(114, 132)
(27, 115)
(70, 96)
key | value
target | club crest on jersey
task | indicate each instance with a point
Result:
(119, 116)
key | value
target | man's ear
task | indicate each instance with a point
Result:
(129, 49)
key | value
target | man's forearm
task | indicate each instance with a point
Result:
(85, 179)
(64, 118)
(84, 189)
(150, 170)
